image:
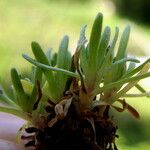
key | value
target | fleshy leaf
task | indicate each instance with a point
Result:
(63, 62)
(54, 59)
(131, 66)
(93, 49)
(123, 44)
(108, 55)
(120, 83)
(49, 55)
(103, 46)
(132, 83)
(16, 112)
(137, 95)
(83, 50)
(27, 86)
(37, 78)
(46, 67)
(41, 57)
(120, 69)
(5, 99)
(140, 88)
(136, 70)
(22, 97)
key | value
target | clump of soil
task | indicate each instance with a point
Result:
(78, 130)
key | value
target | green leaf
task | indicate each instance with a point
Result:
(109, 55)
(27, 86)
(137, 95)
(124, 60)
(103, 46)
(136, 70)
(120, 69)
(93, 48)
(5, 99)
(132, 83)
(63, 56)
(83, 60)
(100, 72)
(15, 112)
(46, 67)
(140, 88)
(38, 53)
(123, 44)
(49, 55)
(22, 98)
(63, 62)
(111, 67)
(41, 57)
(54, 59)
(108, 68)
(37, 77)
(83, 50)
(108, 75)
(107, 61)
(82, 38)
(55, 97)
(120, 83)
(114, 41)
(131, 66)
(33, 68)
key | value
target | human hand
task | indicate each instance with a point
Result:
(9, 126)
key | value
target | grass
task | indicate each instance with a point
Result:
(47, 22)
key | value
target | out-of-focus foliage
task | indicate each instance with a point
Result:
(138, 10)
(71, 1)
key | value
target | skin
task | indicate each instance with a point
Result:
(7, 145)
(9, 125)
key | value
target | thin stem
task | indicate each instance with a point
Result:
(137, 95)
(121, 82)
(43, 66)
(132, 83)
(140, 88)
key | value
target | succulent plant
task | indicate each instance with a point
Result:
(66, 101)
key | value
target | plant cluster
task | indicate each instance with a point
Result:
(66, 101)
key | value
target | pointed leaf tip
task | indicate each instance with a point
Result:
(99, 15)
(94, 43)
(64, 43)
(34, 44)
(66, 37)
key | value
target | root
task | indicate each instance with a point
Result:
(78, 130)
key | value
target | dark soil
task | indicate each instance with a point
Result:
(78, 130)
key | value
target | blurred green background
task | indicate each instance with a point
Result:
(47, 21)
